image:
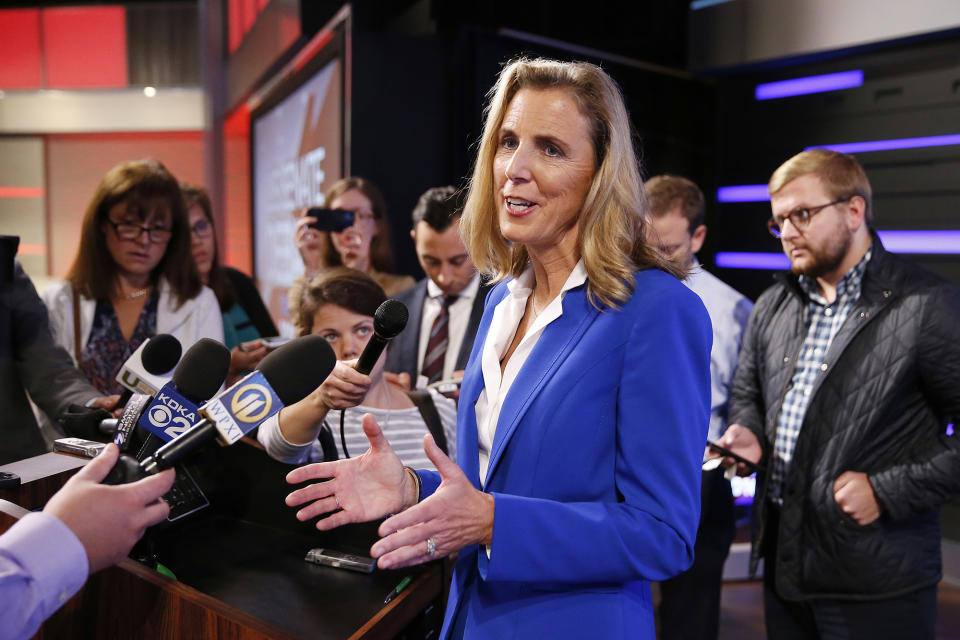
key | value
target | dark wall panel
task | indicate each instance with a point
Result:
(909, 91)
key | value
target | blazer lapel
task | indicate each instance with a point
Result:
(556, 342)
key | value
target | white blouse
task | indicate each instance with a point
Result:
(503, 328)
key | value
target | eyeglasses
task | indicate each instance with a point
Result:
(130, 231)
(799, 218)
(201, 228)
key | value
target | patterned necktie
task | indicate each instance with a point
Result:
(437, 345)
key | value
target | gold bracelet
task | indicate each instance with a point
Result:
(416, 480)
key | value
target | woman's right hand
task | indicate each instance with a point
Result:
(360, 489)
(309, 243)
(345, 387)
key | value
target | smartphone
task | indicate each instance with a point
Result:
(331, 219)
(445, 386)
(751, 466)
(341, 560)
(79, 447)
(275, 341)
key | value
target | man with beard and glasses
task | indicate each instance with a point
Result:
(848, 375)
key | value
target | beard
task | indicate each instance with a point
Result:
(826, 258)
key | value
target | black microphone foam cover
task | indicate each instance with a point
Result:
(203, 369)
(161, 354)
(298, 367)
(390, 319)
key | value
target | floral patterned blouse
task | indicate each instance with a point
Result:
(106, 348)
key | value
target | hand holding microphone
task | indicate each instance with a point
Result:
(349, 383)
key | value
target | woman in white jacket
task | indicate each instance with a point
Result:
(133, 276)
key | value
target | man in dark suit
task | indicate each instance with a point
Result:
(31, 361)
(445, 307)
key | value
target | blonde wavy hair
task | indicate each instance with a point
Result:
(613, 222)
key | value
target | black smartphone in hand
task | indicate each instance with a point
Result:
(751, 466)
(331, 219)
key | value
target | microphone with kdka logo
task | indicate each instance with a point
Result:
(199, 375)
(284, 377)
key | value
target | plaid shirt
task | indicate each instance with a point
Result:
(823, 321)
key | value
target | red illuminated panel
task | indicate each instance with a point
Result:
(241, 16)
(21, 66)
(235, 29)
(249, 14)
(32, 249)
(237, 233)
(21, 192)
(85, 47)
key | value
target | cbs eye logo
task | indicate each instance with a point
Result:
(251, 403)
(160, 416)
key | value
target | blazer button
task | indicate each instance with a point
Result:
(823, 367)
(786, 358)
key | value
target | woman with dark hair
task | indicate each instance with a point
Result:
(245, 318)
(133, 276)
(584, 406)
(339, 304)
(364, 246)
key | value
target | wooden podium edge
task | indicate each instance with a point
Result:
(390, 620)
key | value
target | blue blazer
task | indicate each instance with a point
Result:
(595, 468)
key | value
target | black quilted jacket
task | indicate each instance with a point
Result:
(892, 383)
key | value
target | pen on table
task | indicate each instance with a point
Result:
(396, 590)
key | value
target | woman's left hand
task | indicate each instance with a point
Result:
(455, 516)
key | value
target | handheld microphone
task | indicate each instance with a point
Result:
(140, 374)
(142, 371)
(388, 321)
(199, 375)
(285, 376)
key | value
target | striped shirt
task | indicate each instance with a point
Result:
(823, 320)
(403, 428)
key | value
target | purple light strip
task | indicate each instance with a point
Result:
(809, 84)
(929, 242)
(743, 193)
(889, 145)
(747, 260)
(922, 242)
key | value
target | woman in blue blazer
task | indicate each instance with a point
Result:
(584, 407)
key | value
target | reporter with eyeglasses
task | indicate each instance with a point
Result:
(245, 317)
(133, 276)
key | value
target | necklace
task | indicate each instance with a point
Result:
(533, 307)
(139, 293)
